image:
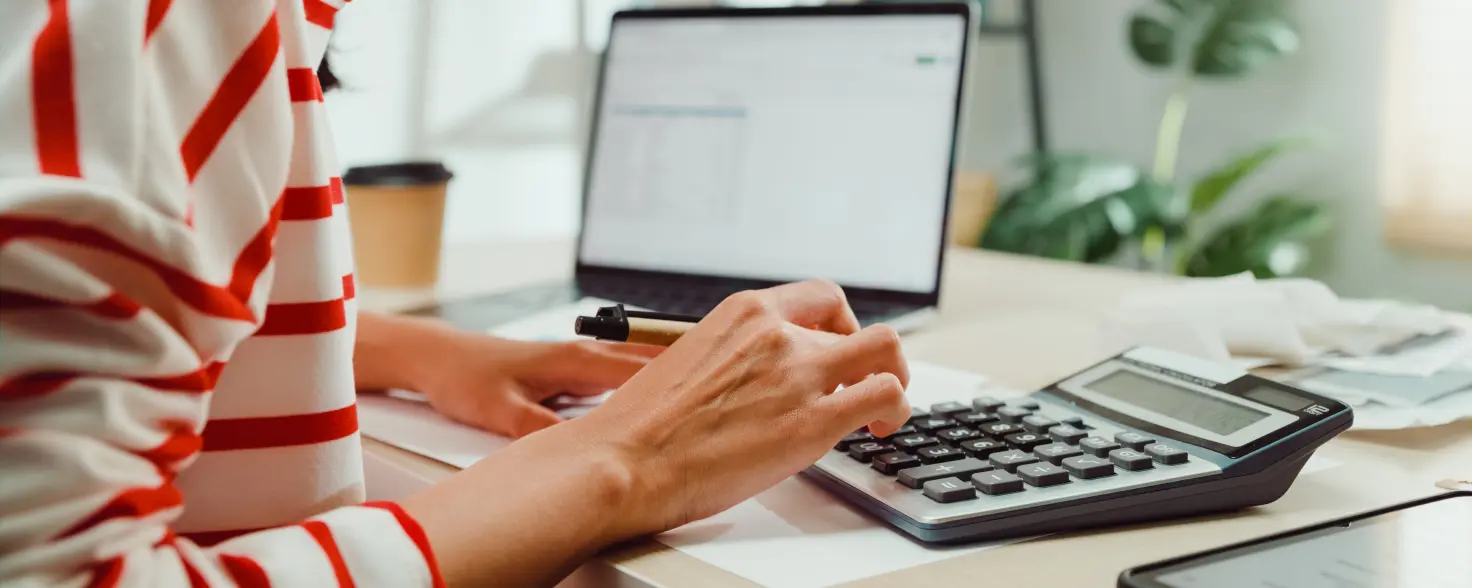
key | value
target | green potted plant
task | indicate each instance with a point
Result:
(1090, 208)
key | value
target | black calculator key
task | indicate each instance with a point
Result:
(1165, 454)
(987, 404)
(905, 430)
(853, 438)
(976, 419)
(915, 441)
(1012, 414)
(958, 435)
(1098, 446)
(868, 450)
(1076, 421)
(1026, 441)
(1027, 404)
(983, 448)
(949, 490)
(892, 463)
(932, 425)
(1038, 423)
(917, 413)
(948, 409)
(996, 482)
(1087, 467)
(1010, 460)
(939, 453)
(1042, 474)
(1055, 453)
(1133, 441)
(1131, 460)
(1067, 434)
(1000, 430)
(915, 477)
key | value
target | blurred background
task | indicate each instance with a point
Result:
(1331, 139)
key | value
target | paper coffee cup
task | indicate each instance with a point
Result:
(398, 217)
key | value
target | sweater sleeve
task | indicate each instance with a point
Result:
(118, 312)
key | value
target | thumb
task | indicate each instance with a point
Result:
(527, 418)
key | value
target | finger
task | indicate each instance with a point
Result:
(649, 351)
(815, 305)
(527, 418)
(587, 365)
(877, 401)
(874, 350)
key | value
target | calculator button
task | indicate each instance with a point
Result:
(1012, 414)
(1076, 421)
(983, 448)
(996, 482)
(949, 490)
(915, 477)
(1165, 454)
(1130, 459)
(852, 438)
(1042, 474)
(1098, 446)
(1056, 452)
(932, 425)
(976, 420)
(1038, 423)
(892, 463)
(1027, 404)
(905, 430)
(1026, 441)
(1000, 430)
(938, 454)
(1133, 441)
(958, 434)
(987, 404)
(1088, 467)
(1067, 433)
(1010, 460)
(916, 441)
(868, 450)
(948, 409)
(917, 413)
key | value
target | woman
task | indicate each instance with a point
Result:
(179, 347)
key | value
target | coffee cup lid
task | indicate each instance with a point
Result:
(416, 173)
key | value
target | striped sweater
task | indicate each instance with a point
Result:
(176, 305)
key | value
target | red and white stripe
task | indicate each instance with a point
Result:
(177, 307)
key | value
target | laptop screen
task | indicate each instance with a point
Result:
(777, 147)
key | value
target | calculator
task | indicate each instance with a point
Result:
(1146, 435)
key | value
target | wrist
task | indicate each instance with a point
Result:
(399, 352)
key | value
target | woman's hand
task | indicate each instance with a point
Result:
(747, 398)
(488, 382)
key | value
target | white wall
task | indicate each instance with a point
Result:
(508, 123)
(1100, 99)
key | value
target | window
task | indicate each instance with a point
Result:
(1428, 124)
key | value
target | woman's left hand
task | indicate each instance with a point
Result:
(488, 382)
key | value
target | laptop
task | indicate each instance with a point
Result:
(735, 149)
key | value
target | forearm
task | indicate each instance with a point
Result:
(395, 351)
(529, 514)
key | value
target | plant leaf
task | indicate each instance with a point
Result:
(1258, 241)
(1154, 41)
(1242, 36)
(1076, 207)
(1212, 188)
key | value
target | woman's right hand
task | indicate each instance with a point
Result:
(746, 399)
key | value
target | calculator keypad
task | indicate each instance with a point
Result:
(953, 459)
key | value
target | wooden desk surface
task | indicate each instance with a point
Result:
(1024, 322)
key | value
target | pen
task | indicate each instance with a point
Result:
(614, 323)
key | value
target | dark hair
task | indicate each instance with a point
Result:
(324, 76)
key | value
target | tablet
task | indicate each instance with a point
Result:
(1425, 543)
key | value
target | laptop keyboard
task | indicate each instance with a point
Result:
(699, 301)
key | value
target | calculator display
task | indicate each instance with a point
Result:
(1189, 406)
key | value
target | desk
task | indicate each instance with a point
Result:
(1024, 322)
